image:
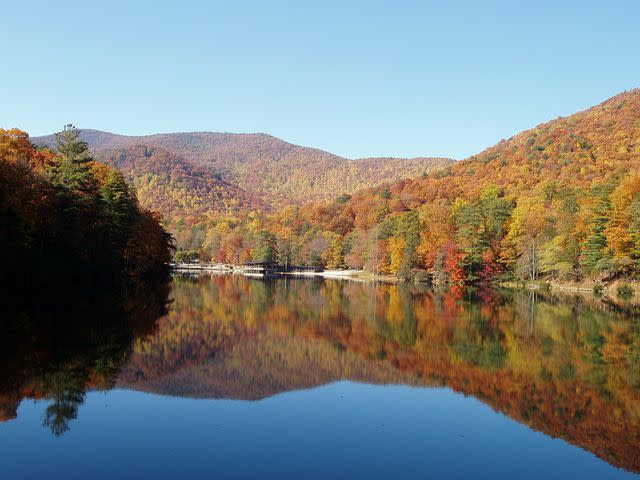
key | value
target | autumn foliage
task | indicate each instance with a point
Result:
(561, 200)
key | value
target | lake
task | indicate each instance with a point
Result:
(233, 377)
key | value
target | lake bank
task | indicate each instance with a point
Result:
(610, 291)
(587, 287)
(341, 274)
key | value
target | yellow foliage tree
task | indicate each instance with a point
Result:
(396, 253)
(618, 232)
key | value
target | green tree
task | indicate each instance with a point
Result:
(266, 249)
(595, 256)
(71, 171)
(343, 198)
(409, 228)
(480, 230)
(119, 205)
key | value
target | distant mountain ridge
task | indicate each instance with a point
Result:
(277, 171)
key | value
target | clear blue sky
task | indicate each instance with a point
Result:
(356, 78)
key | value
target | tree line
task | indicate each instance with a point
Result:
(559, 232)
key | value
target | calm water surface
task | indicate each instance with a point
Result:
(231, 377)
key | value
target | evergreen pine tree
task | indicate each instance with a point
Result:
(595, 256)
(71, 173)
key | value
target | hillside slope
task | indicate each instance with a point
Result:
(577, 150)
(280, 172)
(561, 200)
(180, 190)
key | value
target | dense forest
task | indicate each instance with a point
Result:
(561, 200)
(184, 193)
(262, 165)
(62, 212)
(194, 178)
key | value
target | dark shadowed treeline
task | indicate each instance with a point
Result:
(69, 341)
(62, 213)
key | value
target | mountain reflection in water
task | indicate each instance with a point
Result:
(566, 366)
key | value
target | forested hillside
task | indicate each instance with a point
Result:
(62, 213)
(561, 200)
(185, 193)
(278, 172)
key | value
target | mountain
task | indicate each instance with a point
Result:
(573, 151)
(277, 171)
(559, 201)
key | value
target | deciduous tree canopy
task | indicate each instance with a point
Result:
(560, 200)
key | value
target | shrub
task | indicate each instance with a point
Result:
(186, 256)
(420, 276)
(342, 199)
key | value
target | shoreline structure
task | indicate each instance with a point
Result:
(341, 274)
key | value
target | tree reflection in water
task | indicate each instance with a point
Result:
(58, 346)
(568, 366)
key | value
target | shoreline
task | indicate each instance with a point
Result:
(339, 274)
(586, 287)
(355, 275)
(609, 291)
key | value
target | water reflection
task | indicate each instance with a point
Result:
(59, 345)
(569, 367)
